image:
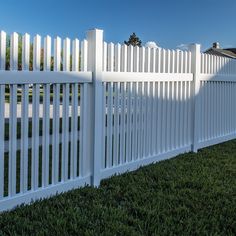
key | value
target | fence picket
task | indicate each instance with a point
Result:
(37, 52)
(84, 55)
(57, 54)
(2, 50)
(14, 52)
(46, 133)
(130, 58)
(65, 131)
(140, 118)
(141, 59)
(147, 59)
(66, 54)
(110, 57)
(104, 56)
(35, 138)
(12, 142)
(136, 59)
(168, 112)
(124, 58)
(75, 55)
(2, 135)
(47, 53)
(26, 52)
(24, 139)
(55, 139)
(122, 123)
(83, 168)
(135, 121)
(116, 125)
(74, 131)
(109, 124)
(129, 120)
(117, 57)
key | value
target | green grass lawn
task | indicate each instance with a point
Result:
(192, 194)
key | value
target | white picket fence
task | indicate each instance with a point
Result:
(95, 109)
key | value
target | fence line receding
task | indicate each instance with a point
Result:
(73, 112)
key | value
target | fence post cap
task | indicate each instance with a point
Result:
(95, 29)
(193, 46)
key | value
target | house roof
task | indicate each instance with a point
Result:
(227, 52)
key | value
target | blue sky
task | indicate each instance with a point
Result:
(167, 22)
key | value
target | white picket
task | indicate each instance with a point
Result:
(84, 113)
(164, 121)
(154, 118)
(35, 138)
(65, 131)
(140, 120)
(158, 63)
(158, 130)
(122, 123)
(84, 55)
(25, 52)
(110, 58)
(181, 111)
(47, 53)
(168, 61)
(153, 60)
(145, 120)
(141, 59)
(46, 133)
(37, 52)
(172, 61)
(117, 57)
(186, 62)
(75, 55)
(74, 131)
(2, 50)
(149, 118)
(116, 124)
(135, 121)
(129, 121)
(147, 59)
(66, 54)
(163, 61)
(177, 94)
(168, 111)
(12, 142)
(2, 137)
(104, 56)
(55, 139)
(24, 138)
(136, 59)
(181, 65)
(57, 54)
(124, 58)
(130, 58)
(109, 124)
(14, 52)
(172, 113)
(185, 113)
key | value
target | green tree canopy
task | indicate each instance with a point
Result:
(133, 40)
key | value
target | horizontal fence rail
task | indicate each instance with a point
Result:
(73, 112)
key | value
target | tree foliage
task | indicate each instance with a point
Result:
(133, 40)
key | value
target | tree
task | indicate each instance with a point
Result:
(133, 40)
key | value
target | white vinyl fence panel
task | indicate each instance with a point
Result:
(80, 111)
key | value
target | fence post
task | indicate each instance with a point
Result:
(196, 69)
(95, 58)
